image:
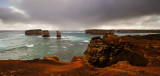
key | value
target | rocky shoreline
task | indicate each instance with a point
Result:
(98, 31)
(110, 55)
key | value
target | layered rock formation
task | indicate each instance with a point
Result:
(58, 34)
(112, 49)
(50, 66)
(46, 33)
(34, 32)
(99, 31)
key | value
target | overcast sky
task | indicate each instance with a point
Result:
(79, 14)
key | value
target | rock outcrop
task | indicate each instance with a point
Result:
(51, 67)
(58, 34)
(112, 49)
(34, 32)
(46, 33)
(51, 58)
(98, 31)
(102, 31)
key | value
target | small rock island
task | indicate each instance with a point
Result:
(34, 32)
(58, 34)
(46, 33)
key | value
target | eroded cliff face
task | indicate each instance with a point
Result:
(99, 31)
(112, 49)
(34, 32)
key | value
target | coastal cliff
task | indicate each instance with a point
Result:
(110, 55)
(51, 66)
(108, 51)
(99, 31)
(138, 51)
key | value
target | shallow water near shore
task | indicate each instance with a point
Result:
(16, 45)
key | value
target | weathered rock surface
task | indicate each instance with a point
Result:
(46, 33)
(50, 66)
(112, 49)
(34, 32)
(58, 34)
(51, 58)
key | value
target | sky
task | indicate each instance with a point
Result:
(79, 14)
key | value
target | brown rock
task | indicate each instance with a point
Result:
(34, 32)
(58, 34)
(46, 33)
(76, 58)
(110, 50)
(51, 58)
(107, 35)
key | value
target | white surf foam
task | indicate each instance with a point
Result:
(85, 41)
(31, 45)
(19, 35)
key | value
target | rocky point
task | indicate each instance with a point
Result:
(112, 49)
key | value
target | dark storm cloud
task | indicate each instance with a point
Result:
(7, 15)
(73, 14)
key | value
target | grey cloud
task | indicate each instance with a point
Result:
(7, 16)
(73, 14)
(88, 12)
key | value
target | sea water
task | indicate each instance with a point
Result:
(15, 45)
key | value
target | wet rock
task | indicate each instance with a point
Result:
(110, 50)
(46, 33)
(76, 58)
(122, 64)
(34, 32)
(107, 35)
(51, 58)
(58, 34)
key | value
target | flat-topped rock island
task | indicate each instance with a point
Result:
(100, 31)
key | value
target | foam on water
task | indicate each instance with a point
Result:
(85, 41)
(30, 45)
(20, 35)
(16, 45)
(39, 36)
(14, 54)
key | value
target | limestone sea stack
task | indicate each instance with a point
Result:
(46, 33)
(34, 32)
(58, 34)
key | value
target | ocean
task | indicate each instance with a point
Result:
(15, 45)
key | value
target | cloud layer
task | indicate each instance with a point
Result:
(83, 14)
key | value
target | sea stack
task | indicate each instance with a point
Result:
(34, 32)
(46, 33)
(58, 34)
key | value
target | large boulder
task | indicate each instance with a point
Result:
(58, 34)
(110, 50)
(34, 32)
(46, 33)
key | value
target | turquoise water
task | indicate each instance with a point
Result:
(17, 46)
